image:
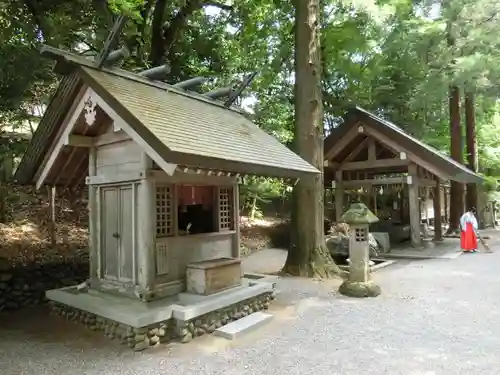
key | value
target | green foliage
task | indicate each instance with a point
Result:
(257, 190)
(390, 56)
(490, 183)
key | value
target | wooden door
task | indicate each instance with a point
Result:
(117, 250)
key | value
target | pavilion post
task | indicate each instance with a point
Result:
(339, 196)
(414, 205)
(146, 226)
(438, 229)
(446, 205)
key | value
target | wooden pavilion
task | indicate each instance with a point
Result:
(368, 152)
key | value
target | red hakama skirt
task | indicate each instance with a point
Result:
(468, 239)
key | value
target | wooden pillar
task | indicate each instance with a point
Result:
(426, 199)
(94, 254)
(438, 228)
(446, 206)
(52, 212)
(236, 219)
(146, 241)
(339, 196)
(414, 206)
(494, 213)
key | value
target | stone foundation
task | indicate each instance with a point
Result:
(171, 330)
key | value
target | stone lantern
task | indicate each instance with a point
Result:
(359, 284)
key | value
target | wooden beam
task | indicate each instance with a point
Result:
(344, 141)
(390, 143)
(80, 141)
(381, 163)
(109, 138)
(372, 154)
(68, 125)
(375, 181)
(355, 152)
(169, 168)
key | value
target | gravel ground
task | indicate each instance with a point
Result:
(434, 317)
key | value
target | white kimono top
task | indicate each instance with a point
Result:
(468, 217)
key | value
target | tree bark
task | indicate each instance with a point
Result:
(470, 141)
(157, 48)
(456, 189)
(308, 255)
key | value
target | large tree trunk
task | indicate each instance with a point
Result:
(470, 140)
(457, 189)
(308, 255)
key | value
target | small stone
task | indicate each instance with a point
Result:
(139, 337)
(183, 332)
(161, 332)
(200, 331)
(141, 345)
(191, 326)
(211, 328)
(186, 338)
(154, 340)
(153, 332)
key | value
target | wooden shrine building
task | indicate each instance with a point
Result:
(162, 166)
(368, 153)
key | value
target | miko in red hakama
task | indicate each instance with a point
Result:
(468, 237)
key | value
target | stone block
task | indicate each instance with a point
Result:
(248, 323)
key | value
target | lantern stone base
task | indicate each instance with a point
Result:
(359, 289)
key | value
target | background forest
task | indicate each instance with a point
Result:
(428, 66)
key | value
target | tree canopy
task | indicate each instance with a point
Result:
(393, 57)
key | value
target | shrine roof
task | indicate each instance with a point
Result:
(385, 131)
(184, 128)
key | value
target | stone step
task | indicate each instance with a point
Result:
(237, 328)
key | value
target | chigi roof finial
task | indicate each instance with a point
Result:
(107, 55)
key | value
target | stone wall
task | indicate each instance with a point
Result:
(184, 331)
(24, 284)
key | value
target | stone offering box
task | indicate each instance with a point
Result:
(162, 166)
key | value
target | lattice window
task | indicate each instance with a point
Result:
(225, 209)
(164, 211)
(360, 234)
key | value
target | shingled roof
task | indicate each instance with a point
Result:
(184, 128)
(446, 167)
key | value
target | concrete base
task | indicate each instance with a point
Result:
(184, 307)
(235, 329)
(141, 325)
(359, 289)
